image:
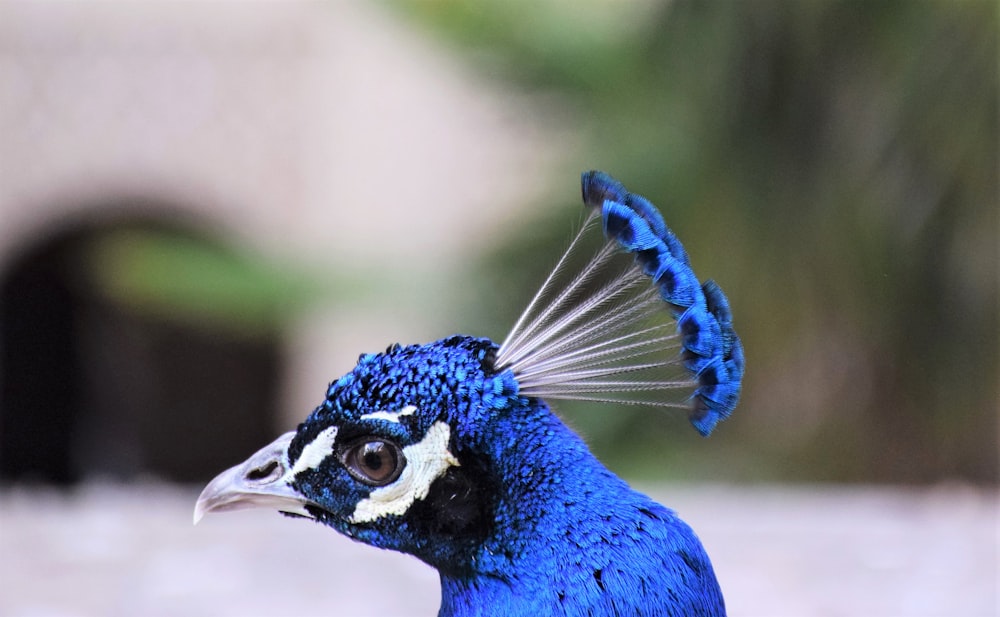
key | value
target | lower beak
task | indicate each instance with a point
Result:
(262, 481)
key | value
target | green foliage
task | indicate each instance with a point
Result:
(833, 165)
(181, 278)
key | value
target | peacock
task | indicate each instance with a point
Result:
(450, 451)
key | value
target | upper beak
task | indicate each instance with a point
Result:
(262, 481)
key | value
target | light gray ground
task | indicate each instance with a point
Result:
(798, 551)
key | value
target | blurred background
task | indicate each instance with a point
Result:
(208, 210)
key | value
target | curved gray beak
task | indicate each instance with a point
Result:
(262, 481)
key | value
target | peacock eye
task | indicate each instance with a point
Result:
(374, 461)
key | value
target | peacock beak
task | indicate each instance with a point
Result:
(262, 481)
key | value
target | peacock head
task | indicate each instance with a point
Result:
(424, 449)
(389, 457)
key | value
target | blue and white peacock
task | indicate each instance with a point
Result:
(450, 452)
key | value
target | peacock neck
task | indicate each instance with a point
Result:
(569, 537)
(552, 495)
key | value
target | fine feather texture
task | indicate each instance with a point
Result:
(449, 451)
(649, 334)
(530, 523)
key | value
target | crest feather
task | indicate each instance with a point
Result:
(635, 331)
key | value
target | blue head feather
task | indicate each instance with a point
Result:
(600, 348)
(528, 521)
(712, 349)
(449, 451)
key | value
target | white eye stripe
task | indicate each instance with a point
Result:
(390, 416)
(426, 461)
(315, 452)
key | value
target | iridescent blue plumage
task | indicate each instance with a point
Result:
(571, 349)
(450, 452)
(713, 351)
(530, 523)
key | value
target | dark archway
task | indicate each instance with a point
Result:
(91, 386)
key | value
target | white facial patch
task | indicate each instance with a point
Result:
(390, 416)
(315, 451)
(426, 461)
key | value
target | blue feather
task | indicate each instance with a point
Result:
(566, 536)
(449, 451)
(612, 345)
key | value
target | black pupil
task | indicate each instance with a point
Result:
(374, 456)
(376, 461)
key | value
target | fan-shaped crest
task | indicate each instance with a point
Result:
(639, 330)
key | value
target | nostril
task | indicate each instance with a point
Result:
(264, 471)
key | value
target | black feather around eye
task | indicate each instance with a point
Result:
(459, 505)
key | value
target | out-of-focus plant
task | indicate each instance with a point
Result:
(190, 280)
(834, 165)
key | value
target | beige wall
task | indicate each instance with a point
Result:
(330, 132)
